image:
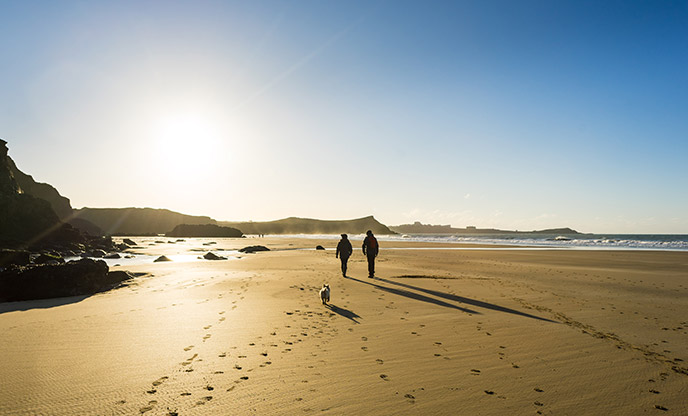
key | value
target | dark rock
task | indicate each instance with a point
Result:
(81, 277)
(14, 257)
(161, 258)
(129, 242)
(253, 249)
(210, 256)
(112, 256)
(98, 253)
(119, 276)
(48, 258)
(319, 247)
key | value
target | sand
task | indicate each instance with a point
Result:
(440, 331)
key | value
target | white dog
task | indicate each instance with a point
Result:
(325, 294)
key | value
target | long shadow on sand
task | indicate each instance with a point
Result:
(412, 295)
(344, 312)
(25, 305)
(468, 301)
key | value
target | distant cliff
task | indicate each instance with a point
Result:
(137, 221)
(295, 225)
(203, 230)
(418, 228)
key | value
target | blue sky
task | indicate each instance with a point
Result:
(515, 115)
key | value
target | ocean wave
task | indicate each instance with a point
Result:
(589, 241)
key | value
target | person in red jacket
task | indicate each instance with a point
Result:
(370, 249)
(344, 251)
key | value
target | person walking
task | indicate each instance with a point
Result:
(344, 251)
(370, 249)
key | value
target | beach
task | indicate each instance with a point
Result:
(487, 330)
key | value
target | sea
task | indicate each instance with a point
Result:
(669, 242)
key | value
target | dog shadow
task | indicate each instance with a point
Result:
(351, 315)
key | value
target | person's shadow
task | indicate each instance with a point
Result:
(412, 295)
(469, 301)
(343, 312)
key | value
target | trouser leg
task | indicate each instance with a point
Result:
(371, 265)
(344, 261)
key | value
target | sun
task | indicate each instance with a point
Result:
(187, 147)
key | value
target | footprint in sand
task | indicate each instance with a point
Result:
(206, 337)
(207, 327)
(384, 377)
(379, 361)
(364, 338)
(537, 389)
(150, 406)
(159, 381)
(185, 394)
(209, 387)
(204, 400)
(475, 372)
(188, 348)
(222, 319)
(364, 348)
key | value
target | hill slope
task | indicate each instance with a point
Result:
(137, 221)
(294, 225)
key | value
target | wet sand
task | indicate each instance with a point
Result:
(438, 332)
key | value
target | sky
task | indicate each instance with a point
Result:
(516, 115)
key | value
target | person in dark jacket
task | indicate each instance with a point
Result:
(370, 249)
(344, 251)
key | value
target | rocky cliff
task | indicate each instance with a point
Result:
(137, 221)
(44, 191)
(24, 219)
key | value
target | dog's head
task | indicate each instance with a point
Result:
(326, 286)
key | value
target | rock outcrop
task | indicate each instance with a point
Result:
(203, 230)
(44, 191)
(253, 249)
(137, 221)
(212, 256)
(25, 219)
(81, 277)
